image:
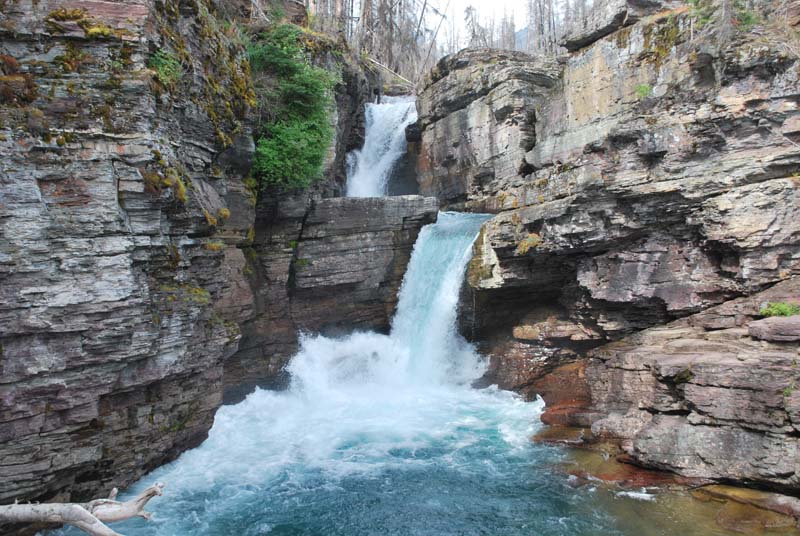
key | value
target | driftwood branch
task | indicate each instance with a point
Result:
(90, 517)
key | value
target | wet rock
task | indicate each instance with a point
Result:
(328, 267)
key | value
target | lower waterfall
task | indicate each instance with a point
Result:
(384, 435)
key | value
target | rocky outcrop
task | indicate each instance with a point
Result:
(323, 266)
(121, 208)
(608, 16)
(630, 209)
(646, 178)
(703, 398)
(476, 120)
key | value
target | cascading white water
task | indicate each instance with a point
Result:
(369, 168)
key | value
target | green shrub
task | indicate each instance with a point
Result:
(294, 138)
(643, 91)
(745, 18)
(167, 67)
(780, 309)
(702, 11)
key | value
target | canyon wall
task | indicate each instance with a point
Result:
(648, 176)
(121, 209)
(134, 248)
(322, 266)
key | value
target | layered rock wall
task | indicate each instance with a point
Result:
(323, 266)
(121, 207)
(648, 176)
(133, 246)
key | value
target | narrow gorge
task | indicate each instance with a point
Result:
(551, 294)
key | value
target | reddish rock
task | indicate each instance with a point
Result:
(776, 328)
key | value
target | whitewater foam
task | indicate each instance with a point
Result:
(363, 412)
(369, 168)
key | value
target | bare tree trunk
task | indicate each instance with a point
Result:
(90, 517)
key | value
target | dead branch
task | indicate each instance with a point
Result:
(90, 517)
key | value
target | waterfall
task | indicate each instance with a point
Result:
(369, 169)
(381, 434)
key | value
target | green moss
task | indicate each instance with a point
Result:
(97, 31)
(186, 294)
(684, 376)
(168, 70)
(210, 219)
(64, 14)
(74, 59)
(155, 182)
(643, 91)
(92, 29)
(660, 38)
(530, 241)
(780, 309)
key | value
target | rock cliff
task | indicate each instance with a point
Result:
(322, 266)
(121, 208)
(647, 177)
(133, 248)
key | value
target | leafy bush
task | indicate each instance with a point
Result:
(167, 67)
(780, 309)
(294, 138)
(643, 91)
(701, 11)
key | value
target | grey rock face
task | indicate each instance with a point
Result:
(657, 185)
(705, 402)
(125, 229)
(477, 120)
(776, 329)
(630, 211)
(114, 276)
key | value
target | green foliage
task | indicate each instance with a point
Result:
(745, 18)
(643, 91)
(780, 309)
(701, 11)
(167, 67)
(294, 137)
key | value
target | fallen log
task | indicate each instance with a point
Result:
(90, 517)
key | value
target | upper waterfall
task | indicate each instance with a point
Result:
(369, 169)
